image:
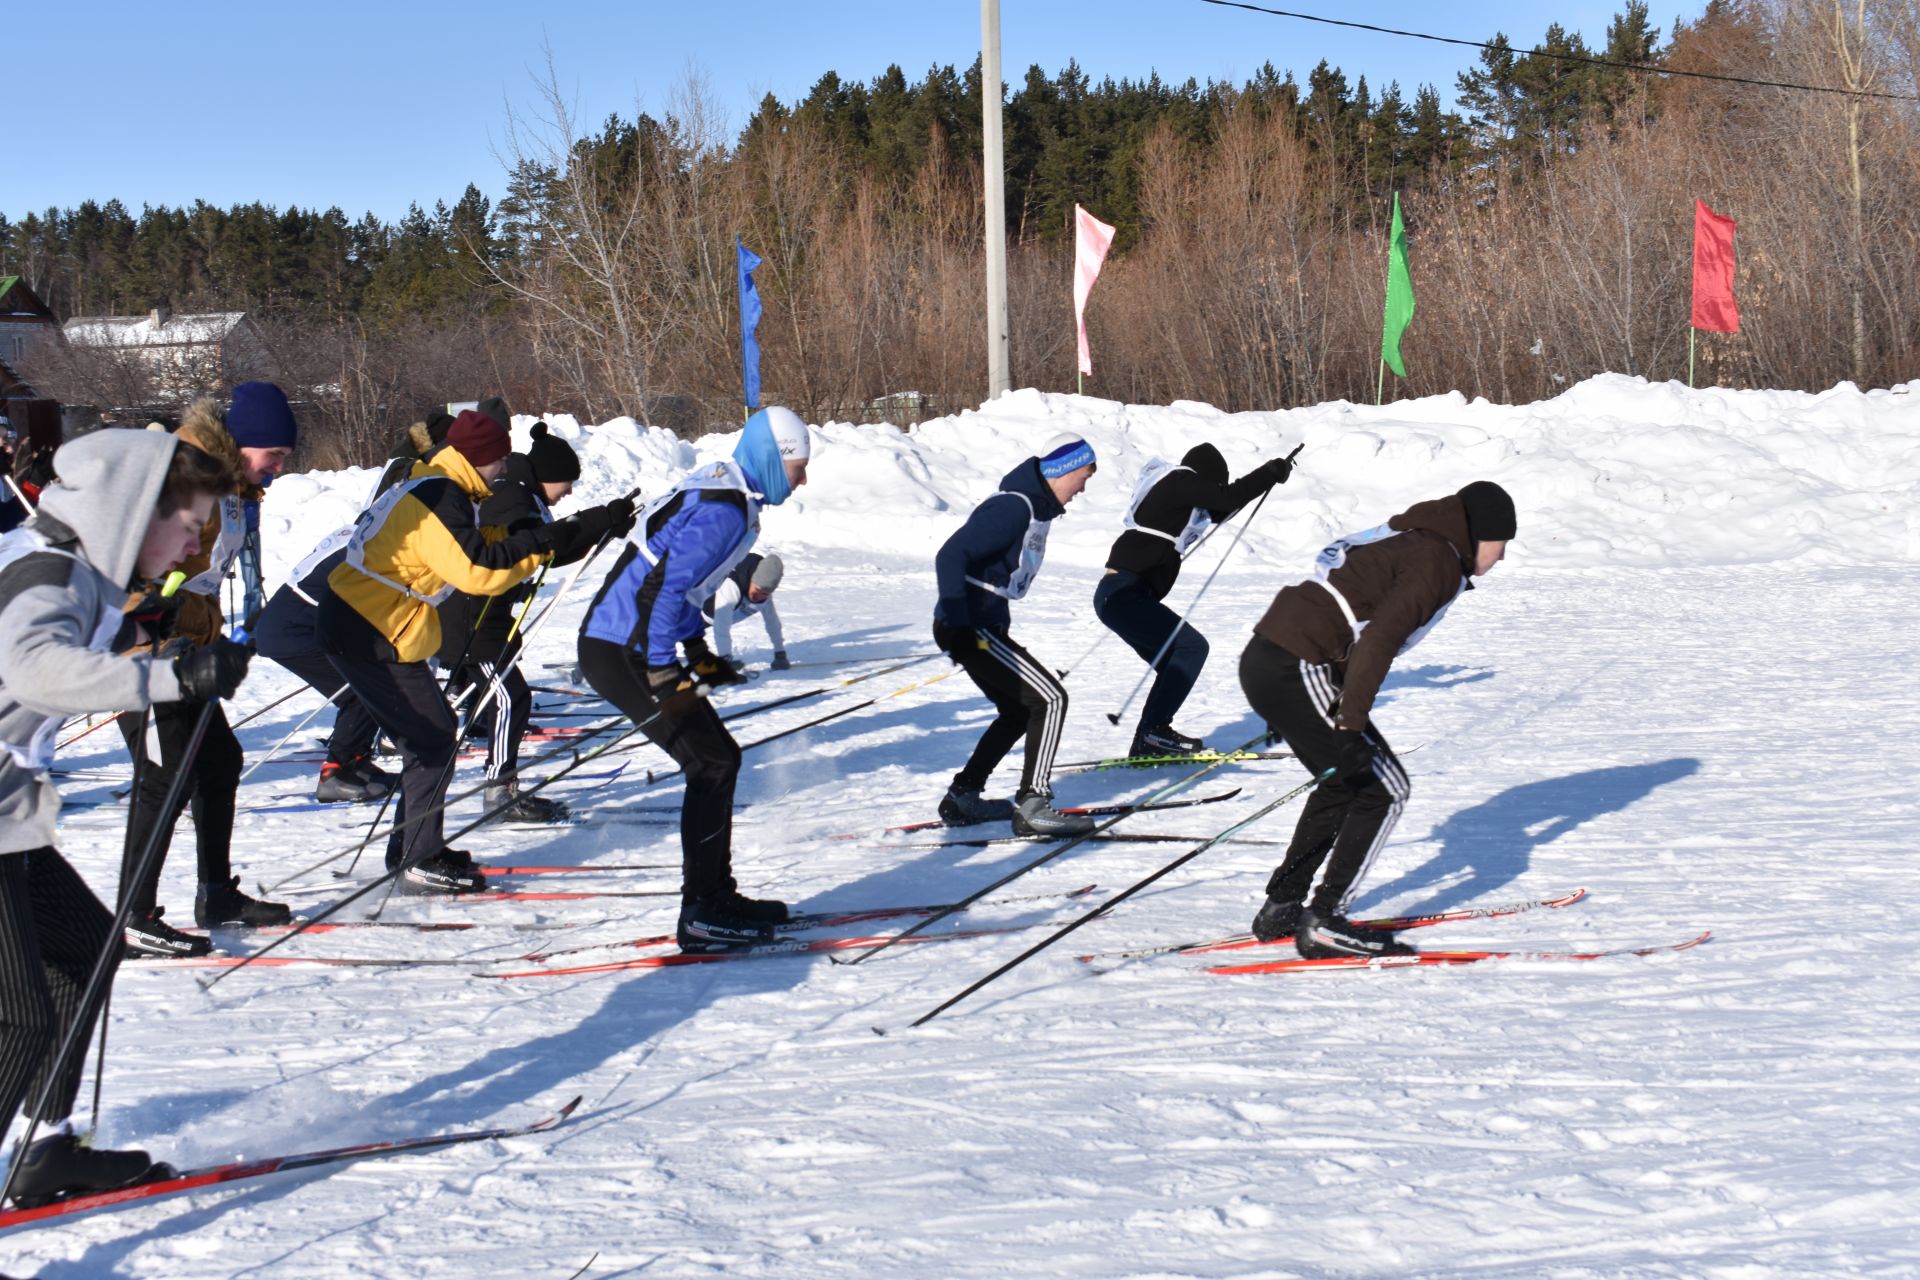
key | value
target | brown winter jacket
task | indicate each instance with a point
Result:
(201, 618)
(1395, 587)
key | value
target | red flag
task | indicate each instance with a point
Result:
(1713, 305)
(1091, 240)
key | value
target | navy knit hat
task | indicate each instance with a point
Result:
(1065, 453)
(260, 417)
(552, 458)
(1490, 515)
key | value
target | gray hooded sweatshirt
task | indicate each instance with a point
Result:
(63, 586)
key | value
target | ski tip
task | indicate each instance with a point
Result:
(570, 1108)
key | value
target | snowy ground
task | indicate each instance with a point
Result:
(1685, 692)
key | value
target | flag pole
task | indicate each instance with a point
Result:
(1692, 334)
(1380, 392)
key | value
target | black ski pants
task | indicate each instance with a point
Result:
(509, 709)
(288, 631)
(699, 743)
(408, 705)
(1032, 704)
(1123, 603)
(52, 931)
(1341, 829)
(213, 779)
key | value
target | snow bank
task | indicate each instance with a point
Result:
(1615, 472)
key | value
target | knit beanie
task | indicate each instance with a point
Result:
(767, 574)
(260, 417)
(479, 438)
(438, 421)
(553, 459)
(1490, 516)
(1066, 452)
(496, 408)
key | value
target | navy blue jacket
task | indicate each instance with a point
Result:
(644, 606)
(987, 547)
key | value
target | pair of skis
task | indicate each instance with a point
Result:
(1295, 964)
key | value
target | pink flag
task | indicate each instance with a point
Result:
(1713, 306)
(1091, 240)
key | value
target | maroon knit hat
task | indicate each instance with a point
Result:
(478, 438)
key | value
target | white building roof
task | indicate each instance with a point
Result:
(143, 331)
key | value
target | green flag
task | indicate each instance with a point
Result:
(1399, 295)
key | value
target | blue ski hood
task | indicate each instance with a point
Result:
(759, 456)
(1028, 479)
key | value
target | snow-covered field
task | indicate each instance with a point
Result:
(1686, 691)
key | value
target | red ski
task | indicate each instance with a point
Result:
(238, 1170)
(1446, 957)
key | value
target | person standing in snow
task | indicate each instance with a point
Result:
(254, 435)
(647, 615)
(1316, 661)
(413, 548)
(479, 638)
(1172, 509)
(288, 632)
(128, 506)
(991, 559)
(748, 593)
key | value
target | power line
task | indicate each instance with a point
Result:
(1564, 57)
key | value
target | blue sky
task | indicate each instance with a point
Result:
(372, 105)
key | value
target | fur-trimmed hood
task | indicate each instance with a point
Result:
(205, 427)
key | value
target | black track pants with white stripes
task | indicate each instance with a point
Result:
(701, 745)
(1340, 830)
(1032, 703)
(509, 702)
(52, 930)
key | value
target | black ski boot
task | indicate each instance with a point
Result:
(1165, 741)
(355, 782)
(965, 806)
(765, 910)
(57, 1166)
(148, 936)
(1327, 936)
(1276, 920)
(713, 925)
(1034, 815)
(218, 904)
(448, 871)
(519, 808)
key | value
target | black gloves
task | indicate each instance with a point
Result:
(670, 679)
(709, 667)
(780, 662)
(213, 672)
(156, 613)
(590, 526)
(1276, 470)
(620, 514)
(1353, 759)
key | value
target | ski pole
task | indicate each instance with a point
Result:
(106, 962)
(847, 662)
(280, 746)
(1170, 789)
(1154, 666)
(20, 493)
(295, 692)
(1115, 901)
(126, 848)
(1081, 661)
(674, 702)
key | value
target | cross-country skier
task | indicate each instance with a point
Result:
(1315, 663)
(1172, 509)
(128, 507)
(288, 632)
(479, 639)
(411, 550)
(748, 593)
(254, 434)
(647, 614)
(991, 559)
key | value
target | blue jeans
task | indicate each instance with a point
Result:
(1129, 610)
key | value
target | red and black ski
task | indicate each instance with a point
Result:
(1446, 957)
(239, 1170)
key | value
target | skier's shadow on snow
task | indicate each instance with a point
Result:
(1492, 843)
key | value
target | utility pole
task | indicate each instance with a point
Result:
(999, 377)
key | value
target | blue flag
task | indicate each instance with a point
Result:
(749, 320)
